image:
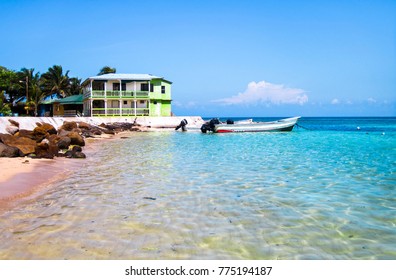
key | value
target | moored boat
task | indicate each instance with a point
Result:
(216, 126)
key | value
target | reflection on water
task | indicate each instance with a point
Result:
(166, 195)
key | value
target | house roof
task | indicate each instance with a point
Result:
(73, 99)
(127, 77)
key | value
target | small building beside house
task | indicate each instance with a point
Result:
(70, 106)
(127, 95)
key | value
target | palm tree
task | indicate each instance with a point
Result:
(107, 70)
(54, 81)
(75, 86)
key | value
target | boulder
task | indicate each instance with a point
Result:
(39, 133)
(46, 149)
(25, 133)
(76, 139)
(84, 125)
(79, 155)
(7, 151)
(14, 123)
(12, 129)
(24, 144)
(63, 142)
(69, 126)
(49, 128)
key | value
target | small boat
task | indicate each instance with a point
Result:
(216, 126)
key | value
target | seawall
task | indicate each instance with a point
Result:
(153, 122)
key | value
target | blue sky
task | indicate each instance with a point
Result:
(225, 58)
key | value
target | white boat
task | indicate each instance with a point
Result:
(216, 126)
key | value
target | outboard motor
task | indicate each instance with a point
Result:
(230, 121)
(182, 125)
(210, 126)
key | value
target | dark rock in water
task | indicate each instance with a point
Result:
(7, 151)
(76, 149)
(149, 198)
(76, 139)
(14, 123)
(79, 155)
(69, 126)
(68, 154)
(25, 145)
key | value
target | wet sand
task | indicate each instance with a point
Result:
(21, 177)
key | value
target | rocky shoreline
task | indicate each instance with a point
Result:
(45, 141)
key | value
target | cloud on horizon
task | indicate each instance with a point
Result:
(266, 92)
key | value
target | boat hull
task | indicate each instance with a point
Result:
(280, 125)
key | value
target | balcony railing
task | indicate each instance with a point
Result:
(119, 94)
(96, 112)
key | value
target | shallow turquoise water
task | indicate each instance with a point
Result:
(323, 193)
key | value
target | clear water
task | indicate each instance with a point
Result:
(324, 193)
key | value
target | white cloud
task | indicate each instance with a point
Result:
(335, 101)
(267, 93)
(371, 100)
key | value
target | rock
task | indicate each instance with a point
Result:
(7, 151)
(46, 150)
(84, 125)
(49, 128)
(69, 126)
(24, 144)
(39, 133)
(76, 149)
(25, 133)
(76, 139)
(14, 123)
(79, 155)
(12, 129)
(64, 142)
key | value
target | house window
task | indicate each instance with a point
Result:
(144, 87)
(96, 85)
(151, 88)
(162, 89)
(116, 86)
(125, 102)
(142, 101)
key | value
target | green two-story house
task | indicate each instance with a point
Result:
(127, 95)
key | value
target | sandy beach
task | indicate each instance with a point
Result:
(23, 176)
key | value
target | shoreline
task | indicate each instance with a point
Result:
(22, 177)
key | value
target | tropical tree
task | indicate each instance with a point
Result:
(75, 86)
(5, 109)
(36, 92)
(26, 77)
(54, 81)
(107, 70)
(9, 82)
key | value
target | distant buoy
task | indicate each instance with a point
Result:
(358, 128)
(383, 133)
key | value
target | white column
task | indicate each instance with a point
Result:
(105, 90)
(91, 105)
(134, 105)
(105, 105)
(120, 98)
(134, 89)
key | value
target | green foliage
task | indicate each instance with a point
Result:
(5, 109)
(54, 81)
(106, 70)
